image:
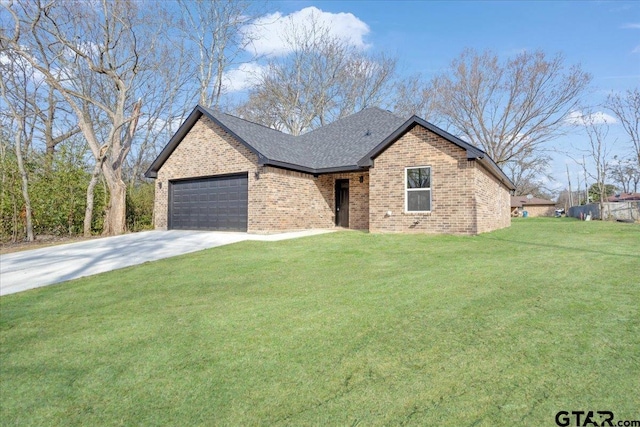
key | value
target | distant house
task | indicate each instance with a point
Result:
(624, 197)
(370, 171)
(534, 206)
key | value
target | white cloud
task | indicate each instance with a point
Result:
(268, 31)
(243, 77)
(22, 67)
(636, 49)
(597, 118)
(631, 26)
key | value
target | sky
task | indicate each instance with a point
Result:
(603, 37)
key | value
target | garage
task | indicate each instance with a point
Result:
(212, 203)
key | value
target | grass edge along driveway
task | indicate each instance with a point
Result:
(505, 328)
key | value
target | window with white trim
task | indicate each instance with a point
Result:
(417, 185)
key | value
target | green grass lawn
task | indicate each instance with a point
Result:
(506, 328)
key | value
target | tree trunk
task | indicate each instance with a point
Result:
(14, 232)
(25, 186)
(88, 212)
(115, 219)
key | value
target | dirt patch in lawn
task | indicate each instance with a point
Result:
(41, 241)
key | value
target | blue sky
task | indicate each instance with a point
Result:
(426, 35)
(604, 37)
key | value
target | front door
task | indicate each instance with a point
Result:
(342, 203)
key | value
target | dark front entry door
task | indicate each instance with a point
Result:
(342, 203)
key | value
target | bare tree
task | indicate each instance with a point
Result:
(599, 152)
(411, 96)
(570, 192)
(55, 115)
(8, 199)
(508, 108)
(40, 122)
(626, 108)
(366, 82)
(18, 101)
(92, 55)
(216, 29)
(321, 80)
(565, 199)
(585, 172)
(527, 172)
(626, 173)
(168, 98)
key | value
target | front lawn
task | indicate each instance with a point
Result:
(506, 328)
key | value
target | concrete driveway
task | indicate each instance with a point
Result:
(20, 271)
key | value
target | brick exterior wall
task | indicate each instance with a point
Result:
(537, 210)
(492, 200)
(465, 199)
(294, 200)
(205, 151)
(279, 200)
(288, 200)
(358, 197)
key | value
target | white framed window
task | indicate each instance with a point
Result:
(417, 189)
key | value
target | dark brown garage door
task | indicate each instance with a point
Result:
(216, 203)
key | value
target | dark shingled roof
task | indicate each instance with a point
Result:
(348, 144)
(339, 144)
(271, 143)
(346, 141)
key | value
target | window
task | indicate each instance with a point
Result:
(417, 189)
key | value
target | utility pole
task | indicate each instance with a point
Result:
(570, 193)
(586, 187)
(578, 190)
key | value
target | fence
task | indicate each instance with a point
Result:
(610, 211)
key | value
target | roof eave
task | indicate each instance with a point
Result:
(367, 160)
(310, 170)
(338, 169)
(182, 131)
(496, 171)
(286, 165)
(261, 158)
(473, 153)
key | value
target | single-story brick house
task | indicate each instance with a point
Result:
(370, 171)
(535, 206)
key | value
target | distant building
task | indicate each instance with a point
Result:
(534, 206)
(624, 197)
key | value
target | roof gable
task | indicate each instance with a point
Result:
(182, 131)
(348, 144)
(473, 153)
